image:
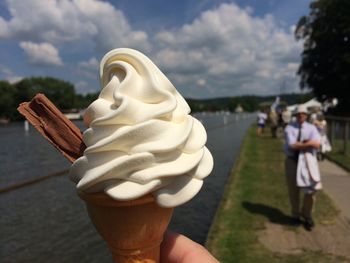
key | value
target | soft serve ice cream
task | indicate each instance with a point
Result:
(141, 138)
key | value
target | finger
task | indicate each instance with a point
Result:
(177, 248)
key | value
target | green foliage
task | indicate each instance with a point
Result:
(249, 103)
(340, 158)
(83, 101)
(7, 100)
(59, 91)
(325, 63)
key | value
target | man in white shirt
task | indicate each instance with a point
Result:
(300, 136)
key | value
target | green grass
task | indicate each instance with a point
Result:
(340, 158)
(255, 194)
(338, 146)
(338, 155)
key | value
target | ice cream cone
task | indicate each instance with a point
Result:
(133, 229)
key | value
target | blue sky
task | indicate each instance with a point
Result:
(207, 48)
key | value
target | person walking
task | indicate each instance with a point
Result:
(261, 118)
(301, 140)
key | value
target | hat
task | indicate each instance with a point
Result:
(301, 109)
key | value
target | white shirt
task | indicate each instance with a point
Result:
(262, 117)
(308, 132)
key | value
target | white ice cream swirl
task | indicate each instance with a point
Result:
(141, 138)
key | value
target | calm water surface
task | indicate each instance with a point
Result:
(47, 222)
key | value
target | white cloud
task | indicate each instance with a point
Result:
(224, 51)
(92, 63)
(41, 54)
(201, 82)
(233, 51)
(89, 68)
(84, 87)
(70, 21)
(3, 27)
(14, 79)
(7, 74)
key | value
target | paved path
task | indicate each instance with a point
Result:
(336, 183)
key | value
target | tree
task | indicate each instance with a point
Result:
(325, 65)
(7, 101)
(62, 93)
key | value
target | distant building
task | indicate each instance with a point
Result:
(74, 114)
(312, 105)
(239, 109)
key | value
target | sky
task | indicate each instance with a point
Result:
(206, 48)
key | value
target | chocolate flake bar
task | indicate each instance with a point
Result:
(63, 134)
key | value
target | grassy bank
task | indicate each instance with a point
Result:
(256, 194)
(341, 159)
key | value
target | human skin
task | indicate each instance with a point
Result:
(305, 145)
(177, 248)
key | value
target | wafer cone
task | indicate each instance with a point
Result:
(133, 229)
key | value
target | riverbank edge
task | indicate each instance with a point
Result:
(210, 237)
(340, 160)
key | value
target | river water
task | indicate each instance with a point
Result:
(47, 222)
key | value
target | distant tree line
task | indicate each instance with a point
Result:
(249, 103)
(60, 92)
(63, 95)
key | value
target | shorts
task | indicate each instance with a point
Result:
(261, 125)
